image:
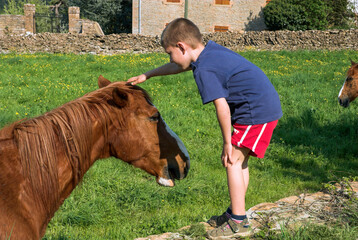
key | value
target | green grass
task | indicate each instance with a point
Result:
(314, 142)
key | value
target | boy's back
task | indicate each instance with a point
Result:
(220, 72)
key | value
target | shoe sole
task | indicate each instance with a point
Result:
(239, 234)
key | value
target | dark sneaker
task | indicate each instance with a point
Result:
(216, 221)
(230, 229)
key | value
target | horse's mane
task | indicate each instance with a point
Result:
(40, 140)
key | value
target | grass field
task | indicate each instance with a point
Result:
(315, 141)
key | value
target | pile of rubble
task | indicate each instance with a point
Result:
(320, 208)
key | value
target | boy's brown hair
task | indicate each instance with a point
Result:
(181, 30)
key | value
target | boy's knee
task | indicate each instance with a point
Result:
(240, 152)
(242, 155)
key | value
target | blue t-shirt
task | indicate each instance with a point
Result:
(222, 73)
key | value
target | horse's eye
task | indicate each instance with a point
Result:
(349, 78)
(155, 117)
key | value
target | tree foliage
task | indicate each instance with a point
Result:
(306, 14)
(16, 7)
(339, 13)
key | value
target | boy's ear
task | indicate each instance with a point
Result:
(182, 47)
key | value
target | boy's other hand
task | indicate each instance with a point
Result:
(137, 79)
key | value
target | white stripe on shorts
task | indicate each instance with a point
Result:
(243, 136)
(258, 138)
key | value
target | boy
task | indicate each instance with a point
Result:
(243, 97)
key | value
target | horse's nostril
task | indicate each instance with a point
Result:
(343, 102)
(340, 101)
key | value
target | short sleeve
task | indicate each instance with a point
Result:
(212, 85)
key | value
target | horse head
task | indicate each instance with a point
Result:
(349, 90)
(139, 136)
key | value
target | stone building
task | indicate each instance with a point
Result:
(149, 17)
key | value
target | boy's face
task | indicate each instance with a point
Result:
(179, 54)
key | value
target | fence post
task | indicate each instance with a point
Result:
(29, 10)
(73, 17)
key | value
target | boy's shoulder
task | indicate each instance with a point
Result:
(218, 57)
(212, 46)
(217, 52)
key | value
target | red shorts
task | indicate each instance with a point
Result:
(254, 137)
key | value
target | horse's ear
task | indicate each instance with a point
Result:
(103, 82)
(120, 97)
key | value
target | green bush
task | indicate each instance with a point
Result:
(316, 12)
(285, 14)
(297, 14)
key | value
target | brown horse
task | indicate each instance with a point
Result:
(349, 91)
(44, 158)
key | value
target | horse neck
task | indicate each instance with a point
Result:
(73, 168)
(55, 153)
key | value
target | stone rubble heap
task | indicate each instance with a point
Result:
(291, 211)
(131, 43)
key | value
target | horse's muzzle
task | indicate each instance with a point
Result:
(173, 172)
(344, 102)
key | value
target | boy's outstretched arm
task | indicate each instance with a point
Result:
(166, 69)
(224, 119)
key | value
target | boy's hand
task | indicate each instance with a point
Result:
(226, 155)
(138, 79)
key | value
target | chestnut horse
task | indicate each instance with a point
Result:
(349, 91)
(44, 158)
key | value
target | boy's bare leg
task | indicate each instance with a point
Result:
(238, 179)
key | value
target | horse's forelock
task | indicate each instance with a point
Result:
(144, 92)
(105, 93)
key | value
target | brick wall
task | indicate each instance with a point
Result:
(22, 24)
(238, 15)
(12, 24)
(18, 24)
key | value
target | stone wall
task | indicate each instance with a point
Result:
(128, 43)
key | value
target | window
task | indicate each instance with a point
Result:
(173, 1)
(222, 2)
(221, 28)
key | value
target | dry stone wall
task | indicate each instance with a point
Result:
(128, 43)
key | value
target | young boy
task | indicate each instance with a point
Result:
(243, 97)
